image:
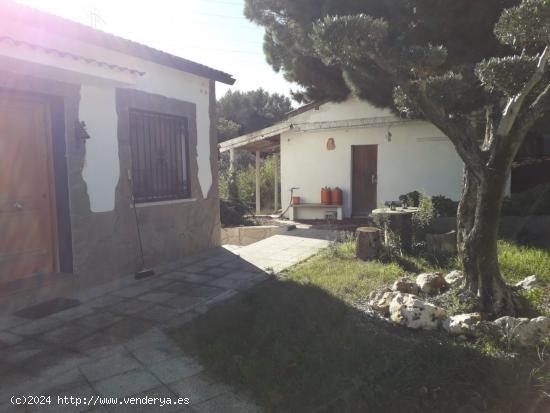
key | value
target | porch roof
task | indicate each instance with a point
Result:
(268, 139)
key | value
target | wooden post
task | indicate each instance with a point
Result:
(258, 177)
(368, 244)
(231, 160)
(276, 173)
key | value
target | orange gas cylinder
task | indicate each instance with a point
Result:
(337, 196)
(326, 196)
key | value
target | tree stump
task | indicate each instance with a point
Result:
(368, 244)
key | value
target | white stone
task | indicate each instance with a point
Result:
(525, 332)
(455, 278)
(405, 285)
(462, 324)
(431, 283)
(528, 282)
(407, 310)
(379, 301)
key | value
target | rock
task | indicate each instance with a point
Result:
(525, 332)
(445, 243)
(462, 324)
(405, 285)
(409, 311)
(528, 283)
(431, 283)
(455, 278)
(379, 301)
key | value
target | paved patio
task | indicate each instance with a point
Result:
(114, 342)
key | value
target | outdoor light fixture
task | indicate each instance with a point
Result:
(331, 145)
(389, 134)
(81, 132)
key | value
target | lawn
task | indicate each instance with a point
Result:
(296, 343)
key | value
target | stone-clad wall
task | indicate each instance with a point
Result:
(104, 244)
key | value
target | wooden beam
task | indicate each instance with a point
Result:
(258, 204)
(276, 176)
(232, 160)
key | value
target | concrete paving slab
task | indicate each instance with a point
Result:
(9, 339)
(36, 327)
(172, 370)
(158, 313)
(98, 320)
(185, 303)
(129, 307)
(73, 313)
(126, 384)
(109, 366)
(157, 296)
(106, 300)
(157, 352)
(197, 278)
(66, 334)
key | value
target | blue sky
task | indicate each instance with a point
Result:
(211, 32)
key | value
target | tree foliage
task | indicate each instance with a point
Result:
(244, 112)
(461, 29)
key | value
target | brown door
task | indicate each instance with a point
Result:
(364, 179)
(27, 228)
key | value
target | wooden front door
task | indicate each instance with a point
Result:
(364, 179)
(27, 225)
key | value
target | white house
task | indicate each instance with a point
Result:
(89, 124)
(369, 153)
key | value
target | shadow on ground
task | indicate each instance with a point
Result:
(297, 349)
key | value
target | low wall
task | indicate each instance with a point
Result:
(537, 225)
(249, 235)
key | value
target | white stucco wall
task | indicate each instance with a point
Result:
(352, 108)
(98, 110)
(101, 167)
(417, 158)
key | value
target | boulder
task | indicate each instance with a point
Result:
(462, 324)
(528, 283)
(525, 332)
(431, 283)
(455, 278)
(379, 301)
(405, 285)
(409, 311)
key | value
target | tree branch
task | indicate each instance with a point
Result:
(513, 108)
(534, 112)
(458, 130)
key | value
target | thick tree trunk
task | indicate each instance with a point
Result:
(478, 223)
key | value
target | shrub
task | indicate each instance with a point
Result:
(244, 181)
(412, 198)
(444, 207)
(233, 213)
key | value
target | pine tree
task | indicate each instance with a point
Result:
(475, 69)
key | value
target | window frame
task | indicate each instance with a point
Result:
(183, 169)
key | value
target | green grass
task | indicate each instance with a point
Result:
(297, 344)
(337, 272)
(517, 262)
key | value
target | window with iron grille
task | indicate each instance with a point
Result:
(160, 158)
